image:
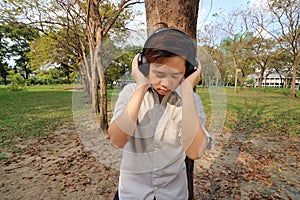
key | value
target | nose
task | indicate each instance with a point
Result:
(165, 82)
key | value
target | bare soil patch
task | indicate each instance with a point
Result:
(59, 166)
(55, 167)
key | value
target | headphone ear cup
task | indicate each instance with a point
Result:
(191, 67)
(143, 65)
(196, 63)
(140, 58)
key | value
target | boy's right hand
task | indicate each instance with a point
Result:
(138, 76)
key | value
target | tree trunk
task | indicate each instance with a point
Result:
(103, 92)
(261, 74)
(281, 81)
(202, 80)
(236, 80)
(265, 80)
(85, 82)
(94, 85)
(293, 87)
(181, 14)
(3, 74)
(286, 80)
(263, 69)
(236, 73)
(87, 72)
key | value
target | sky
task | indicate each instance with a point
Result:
(208, 8)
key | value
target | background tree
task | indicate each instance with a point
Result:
(281, 64)
(236, 39)
(208, 37)
(122, 64)
(84, 26)
(20, 36)
(101, 17)
(4, 51)
(247, 65)
(15, 40)
(262, 56)
(48, 51)
(281, 20)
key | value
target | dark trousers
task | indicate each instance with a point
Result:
(117, 196)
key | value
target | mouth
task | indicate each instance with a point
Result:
(164, 90)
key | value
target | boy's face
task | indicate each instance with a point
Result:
(166, 75)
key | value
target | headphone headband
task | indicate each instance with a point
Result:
(160, 30)
(168, 29)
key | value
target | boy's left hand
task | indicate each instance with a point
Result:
(192, 80)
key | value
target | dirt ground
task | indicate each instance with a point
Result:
(61, 166)
(55, 167)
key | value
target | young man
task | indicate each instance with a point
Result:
(159, 120)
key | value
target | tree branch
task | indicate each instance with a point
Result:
(123, 5)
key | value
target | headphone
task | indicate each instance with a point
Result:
(143, 65)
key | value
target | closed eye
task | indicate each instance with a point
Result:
(159, 74)
(176, 75)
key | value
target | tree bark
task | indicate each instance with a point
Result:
(180, 14)
(103, 92)
(87, 79)
(287, 80)
(293, 87)
(261, 76)
(202, 80)
(236, 73)
(94, 86)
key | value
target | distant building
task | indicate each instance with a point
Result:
(274, 80)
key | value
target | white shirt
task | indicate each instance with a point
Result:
(153, 159)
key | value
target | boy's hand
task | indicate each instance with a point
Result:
(192, 80)
(141, 80)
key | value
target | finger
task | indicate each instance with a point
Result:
(199, 68)
(135, 61)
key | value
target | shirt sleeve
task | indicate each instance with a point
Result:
(202, 117)
(123, 100)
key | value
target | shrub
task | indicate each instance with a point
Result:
(17, 81)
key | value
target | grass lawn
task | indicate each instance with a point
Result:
(38, 110)
(271, 112)
(259, 147)
(35, 111)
